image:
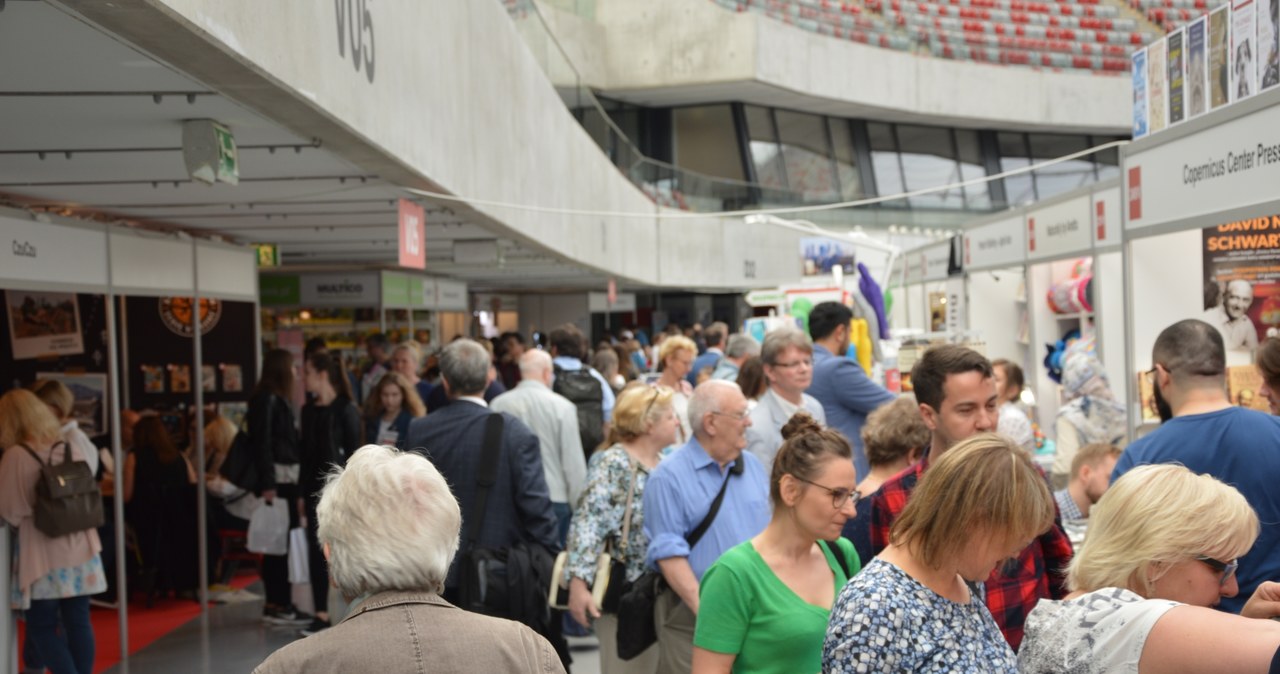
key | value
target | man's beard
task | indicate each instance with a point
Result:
(1162, 405)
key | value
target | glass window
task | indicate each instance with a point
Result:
(765, 152)
(1062, 177)
(928, 160)
(809, 168)
(706, 141)
(1019, 189)
(846, 165)
(1107, 161)
(977, 196)
(885, 164)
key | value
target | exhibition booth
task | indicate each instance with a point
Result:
(69, 288)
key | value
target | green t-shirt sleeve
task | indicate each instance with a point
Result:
(724, 609)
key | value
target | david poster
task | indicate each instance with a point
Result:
(43, 324)
(1177, 77)
(1140, 93)
(1242, 280)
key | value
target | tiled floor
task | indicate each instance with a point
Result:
(232, 639)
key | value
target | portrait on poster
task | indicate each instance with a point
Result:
(43, 324)
(1242, 280)
(90, 393)
(1243, 50)
(1268, 44)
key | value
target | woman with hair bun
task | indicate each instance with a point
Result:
(765, 602)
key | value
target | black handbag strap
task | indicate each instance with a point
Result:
(66, 452)
(487, 476)
(696, 535)
(836, 552)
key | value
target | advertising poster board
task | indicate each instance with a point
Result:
(1177, 77)
(1157, 89)
(90, 393)
(43, 324)
(1197, 82)
(1242, 280)
(1243, 50)
(1268, 44)
(1219, 57)
(1139, 64)
(819, 256)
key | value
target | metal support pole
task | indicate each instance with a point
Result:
(1134, 402)
(202, 506)
(114, 376)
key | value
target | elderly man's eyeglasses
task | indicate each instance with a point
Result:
(737, 417)
(839, 496)
(1227, 569)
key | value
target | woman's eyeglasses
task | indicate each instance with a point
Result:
(839, 496)
(1227, 569)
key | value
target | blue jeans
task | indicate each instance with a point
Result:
(563, 513)
(71, 652)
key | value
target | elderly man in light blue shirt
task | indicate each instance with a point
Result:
(679, 495)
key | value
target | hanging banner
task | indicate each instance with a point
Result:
(1242, 280)
(1197, 84)
(413, 235)
(1219, 57)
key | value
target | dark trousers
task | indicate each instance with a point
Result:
(315, 555)
(275, 568)
(70, 652)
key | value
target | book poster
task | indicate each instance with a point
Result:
(1242, 280)
(180, 378)
(1243, 384)
(1157, 94)
(1219, 58)
(1244, 68)
(43, 324)
(153, 378)
(1268, 44)
(90, 393)
(1140, 93)
(1177, 77)
(236, 412)
(232, 378)
(1147, 397)
(1197, 82)
(208, 380)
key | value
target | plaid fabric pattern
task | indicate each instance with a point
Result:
(1013, 589)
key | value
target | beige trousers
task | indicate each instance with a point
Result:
(606, 627)
(675, 624)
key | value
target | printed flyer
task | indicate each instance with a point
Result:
(1139, 93)
(1268, 44)
(1243, 51)
(1177, 78)
(1156, 91)
(1219, 58)
(43, 324)
(1196, 81)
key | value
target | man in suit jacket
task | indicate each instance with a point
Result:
(788, 366)
(519, 505)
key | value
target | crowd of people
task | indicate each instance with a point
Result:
(718, 505)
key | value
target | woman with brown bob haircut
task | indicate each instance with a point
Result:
(979, 504)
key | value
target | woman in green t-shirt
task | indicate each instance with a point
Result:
(764, 604)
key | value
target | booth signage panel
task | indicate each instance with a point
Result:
(45, 252)
(1060, 229)
(413, 235)
(401, 290)
(998, 244)
(1229, 166)
(275, 290)
(1106, 217)
(226, 271)
(936, 260)
(451, 295)
(598, 303)
(498, 302)
(340, 290)
(145, 263)
(766, 298)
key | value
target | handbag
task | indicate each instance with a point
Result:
(611, 569)
(67, 496)
(268, 532)
(636, 628)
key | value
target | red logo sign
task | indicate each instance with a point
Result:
(968, 255)
(1135, 193)
(413, 235)
(1102, 220)
(1031, 234)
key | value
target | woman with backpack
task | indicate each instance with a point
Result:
(56, 575)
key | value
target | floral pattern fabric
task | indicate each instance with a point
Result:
(597, 519)
(78, 581)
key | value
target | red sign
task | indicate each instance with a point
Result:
(968, 256)
(1135, 193)
(1031, 234)
(613, 291)
(413, 235)
(1102, 220)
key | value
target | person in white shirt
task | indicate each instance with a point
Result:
(62, 402)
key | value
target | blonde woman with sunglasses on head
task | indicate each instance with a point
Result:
(765, 603)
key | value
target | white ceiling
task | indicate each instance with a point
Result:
(78, 90)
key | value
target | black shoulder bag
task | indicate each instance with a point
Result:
(67, 497)
(636, 628)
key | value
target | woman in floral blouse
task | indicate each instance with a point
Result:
(644, 423)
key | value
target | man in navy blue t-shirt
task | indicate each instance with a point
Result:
(1207, 434)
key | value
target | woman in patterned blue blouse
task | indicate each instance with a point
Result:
(644, 424)
(912, 609)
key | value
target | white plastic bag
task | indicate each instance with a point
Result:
(269, 529)
(299, 557)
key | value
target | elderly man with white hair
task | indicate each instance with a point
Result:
(709, 473)
(390, 527)
(1231, 316)
(554, 420)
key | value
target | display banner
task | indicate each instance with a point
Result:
(413, 235)
(997, 244)
(1244, 70)
(1177, 77)
(598, 303)
(451, 295)
(1268, 44)
(1106, 217)
(936, 259)
(1157, 89)
(46, 252)
(1061, 229)
(1197, 82)
(1219, 57)
(1230, 165)
(1139, 63)
(1242, 280)
(360, 289)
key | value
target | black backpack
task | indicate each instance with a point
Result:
(587, 394)
(67, 497)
